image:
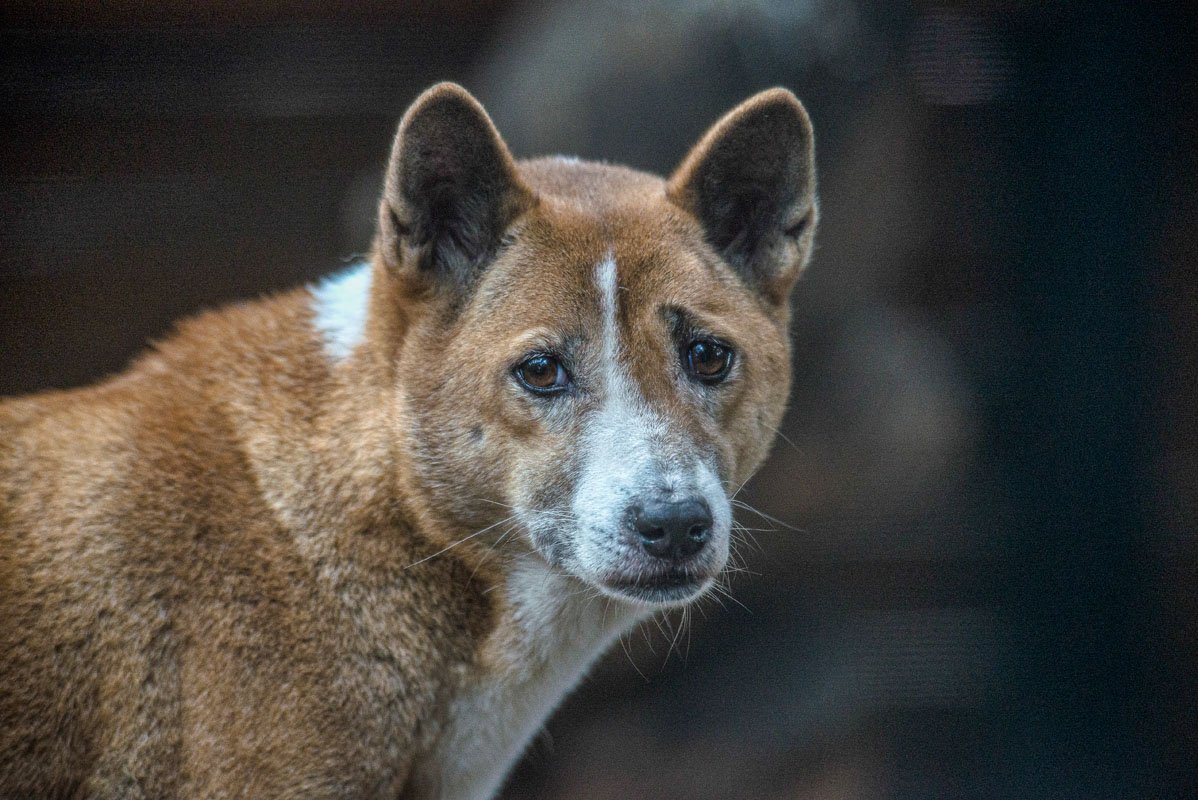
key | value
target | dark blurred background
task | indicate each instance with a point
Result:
(991, 456)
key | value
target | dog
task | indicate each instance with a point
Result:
(358, 539)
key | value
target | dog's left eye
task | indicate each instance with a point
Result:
(542, 374)
(708, 360)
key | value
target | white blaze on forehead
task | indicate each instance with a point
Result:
(620, 437)
(339, 305)
(630, 451)
(622, 395)
(607, 280)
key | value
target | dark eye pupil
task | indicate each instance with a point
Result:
(541, 372)
(709, 356)
(708, 359)
(538, 367)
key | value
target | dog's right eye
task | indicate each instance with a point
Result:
(542, 374)
(708, 361)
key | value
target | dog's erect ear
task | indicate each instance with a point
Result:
(750, 181)
(451, 189)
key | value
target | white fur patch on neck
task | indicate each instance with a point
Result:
(554, 633)
(339, 305)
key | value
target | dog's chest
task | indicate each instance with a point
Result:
(555, 632)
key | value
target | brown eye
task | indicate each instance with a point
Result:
(708, 360)
(542, 374)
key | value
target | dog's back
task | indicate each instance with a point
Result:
(134, 529)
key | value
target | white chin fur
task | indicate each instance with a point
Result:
(653, 599)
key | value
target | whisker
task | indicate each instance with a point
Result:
(628, 654)
(723, 591)
(715, 598)
(732, 495)
(784, 438)
(553, 512)
(675, 636)
(767, 517)
(686, 620)
(645, 634)
(746, 538)
(459, 541)
(492, 549)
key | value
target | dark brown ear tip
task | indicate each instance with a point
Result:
(778, 103)
(445, 90)
(776, 94)
(444, 99)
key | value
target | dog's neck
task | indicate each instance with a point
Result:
(551, 630)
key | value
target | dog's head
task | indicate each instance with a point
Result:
(590, 354)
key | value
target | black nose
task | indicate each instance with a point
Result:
(673, 530)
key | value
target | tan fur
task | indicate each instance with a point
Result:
(224, 572)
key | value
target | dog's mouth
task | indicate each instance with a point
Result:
(658, 588)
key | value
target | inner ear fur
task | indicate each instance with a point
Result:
(451, 190)
(750, 182)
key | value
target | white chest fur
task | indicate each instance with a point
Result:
(556, 631)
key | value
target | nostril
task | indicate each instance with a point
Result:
(696, 537)
(653, 534)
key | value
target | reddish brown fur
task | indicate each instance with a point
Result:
(206, 563)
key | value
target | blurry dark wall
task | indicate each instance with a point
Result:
(981, 577)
